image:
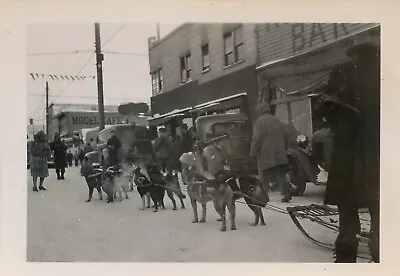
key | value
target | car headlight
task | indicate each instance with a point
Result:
(301, 138)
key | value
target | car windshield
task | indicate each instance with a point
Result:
(238, 127)
(104, 136)
(126, 134)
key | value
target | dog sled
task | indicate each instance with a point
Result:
(328, 217)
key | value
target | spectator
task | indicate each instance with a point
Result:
(270, 144)
(60, 156)
(81, 156)
(39, 155)
(163, 147)
(113, 145)
(70, 157)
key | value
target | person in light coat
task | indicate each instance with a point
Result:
(269, 144)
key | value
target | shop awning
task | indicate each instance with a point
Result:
(309, 90)
(224, 103)
(157, 119)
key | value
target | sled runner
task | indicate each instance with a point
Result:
(328, 217)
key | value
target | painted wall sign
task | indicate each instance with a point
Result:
(93, 120)
(302, 40)
(277, 41)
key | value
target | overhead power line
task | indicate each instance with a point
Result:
(61, 53)
(125, 53)
(67, 86)
(83, 67)
(79, 72)
(113, 36)
(80, 97)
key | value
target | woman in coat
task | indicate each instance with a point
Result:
(39, 155)
(269, 143)
(351, 105)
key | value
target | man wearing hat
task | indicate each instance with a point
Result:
(351, 105)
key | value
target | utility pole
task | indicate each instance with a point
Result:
(99, 65)
(158, 31)
(47, 110)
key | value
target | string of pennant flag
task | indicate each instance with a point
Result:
(55, 77)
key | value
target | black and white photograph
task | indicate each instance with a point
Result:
(207, 137)
(194, 142)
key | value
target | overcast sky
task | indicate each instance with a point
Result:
(126, 77)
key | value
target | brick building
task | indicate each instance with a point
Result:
(197, 63)
(294, 62)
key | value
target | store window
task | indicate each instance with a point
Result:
(186, 70)
(157, 82)
(205, 52)
(233, 46)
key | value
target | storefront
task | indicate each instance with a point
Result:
(175, 103)
(71, 123)
(291, 75)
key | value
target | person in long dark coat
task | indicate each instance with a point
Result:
(60, 156)
(164, 149)
(270, 143)
(81, 156)
(186, 139)
(114, 146)
(70, 158)
(351, 105)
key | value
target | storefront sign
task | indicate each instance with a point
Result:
(316, 34)
(93, 120)
(279, 41)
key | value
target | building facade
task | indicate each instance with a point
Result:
(69, 119)
(197, 63)
(294, 62)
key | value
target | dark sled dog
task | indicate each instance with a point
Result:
(145, 186)
(252, 191)
(93, 176)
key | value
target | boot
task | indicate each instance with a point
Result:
(374, 249)
(286, 199)
(58, 176)
(346, 250)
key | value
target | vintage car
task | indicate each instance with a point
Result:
(224, 141)
(135, 143)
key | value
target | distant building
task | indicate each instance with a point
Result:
(31, 130)
(198, 63)
(70, 119)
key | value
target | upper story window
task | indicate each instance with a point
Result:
(186, 69)
(206, 57)
(157, 82)
(233, 46)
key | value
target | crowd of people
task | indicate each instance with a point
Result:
(167, 151)
(350, 105)
(40, 153)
